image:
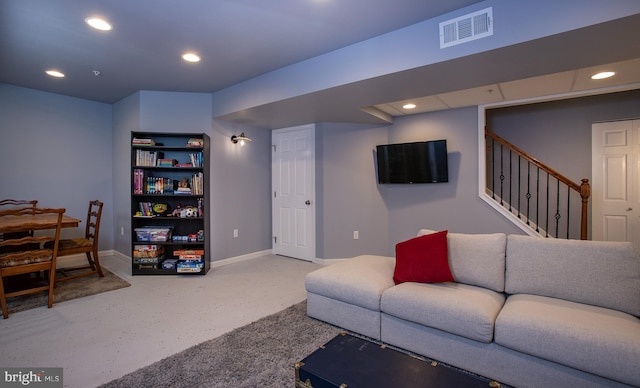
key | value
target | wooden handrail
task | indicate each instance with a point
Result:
(584, 189)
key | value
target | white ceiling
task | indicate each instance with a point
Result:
(563, 83)
(242, 39)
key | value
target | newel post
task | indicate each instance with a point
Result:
(585, 192)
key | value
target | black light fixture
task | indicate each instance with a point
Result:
(242, 138)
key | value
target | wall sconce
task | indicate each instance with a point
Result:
(242, 138)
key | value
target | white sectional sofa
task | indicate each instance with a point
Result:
(525, 311)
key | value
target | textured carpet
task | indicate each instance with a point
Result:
(73, 289)
(261, 354)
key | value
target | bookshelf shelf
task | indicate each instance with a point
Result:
(169, 203)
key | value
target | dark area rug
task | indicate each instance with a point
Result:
(261, 354)
(73, 289)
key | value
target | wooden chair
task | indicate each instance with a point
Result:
(87, 245)
(13, 204)
(32, 260)
(19, 203)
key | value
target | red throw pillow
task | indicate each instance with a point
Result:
(423, 259)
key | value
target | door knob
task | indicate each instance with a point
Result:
(307, 202)
(629, 209)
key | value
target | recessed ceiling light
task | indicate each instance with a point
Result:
(409, 106)
(55, 73)
(98, 24)
(603, 75)
(191, 57)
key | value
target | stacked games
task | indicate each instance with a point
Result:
(189, 260)
(147, 256)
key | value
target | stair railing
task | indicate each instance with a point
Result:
(532, 191)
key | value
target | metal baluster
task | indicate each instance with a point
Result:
(501, 174)
(568, 208)
(493, 168)
(557, 208)
(537, 200)
(546, 226)
(510, 179)
(519, 183)
(528, 193)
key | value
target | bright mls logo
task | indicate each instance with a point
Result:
(31, 377)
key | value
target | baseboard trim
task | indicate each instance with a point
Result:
(328, 261)
(238, 259)
(80, 259)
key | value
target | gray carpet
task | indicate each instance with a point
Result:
(73, 289)
(261, 354)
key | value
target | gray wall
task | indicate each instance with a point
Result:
(559, 132)
(90, 144)
(240, 176)
(346, 192)
(57, 150)
(240, 191)
(126, 118)
(454, 205)
(349, 197)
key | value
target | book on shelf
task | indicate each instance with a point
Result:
(166, 162)
(195, 142)
(158, 185)
(143, 142)
(181, 252)
(196, 159)
(197, 184)
(138, 181)
(146, 208)
(147, 158)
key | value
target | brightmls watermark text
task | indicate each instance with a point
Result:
(31, 377)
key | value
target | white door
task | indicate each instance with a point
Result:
(615, 181)
(293, 183)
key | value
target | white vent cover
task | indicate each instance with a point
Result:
(466, 28)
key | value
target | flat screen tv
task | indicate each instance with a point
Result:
(419, 162)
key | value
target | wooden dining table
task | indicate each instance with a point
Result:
(11, 224)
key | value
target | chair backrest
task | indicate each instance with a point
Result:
(93, 221)
(22, 250)
(14, 204)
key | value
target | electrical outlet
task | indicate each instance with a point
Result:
(122, 231)
(356, 235)
(235, 233)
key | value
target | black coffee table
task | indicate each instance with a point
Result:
(349, 361)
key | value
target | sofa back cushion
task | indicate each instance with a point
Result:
(598, 273)
(476, 259)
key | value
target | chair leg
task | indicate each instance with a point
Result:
(95, 262)
(3, 301)
(52, 284)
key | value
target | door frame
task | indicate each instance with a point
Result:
(626, 209)
(312, 251)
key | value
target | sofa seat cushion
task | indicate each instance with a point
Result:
(456, 308)
(601, 341)
(360, 280)
(476, 259)
(599, 273)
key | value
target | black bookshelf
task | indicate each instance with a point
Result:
(170, 203)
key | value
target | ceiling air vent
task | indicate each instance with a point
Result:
(466, 28)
